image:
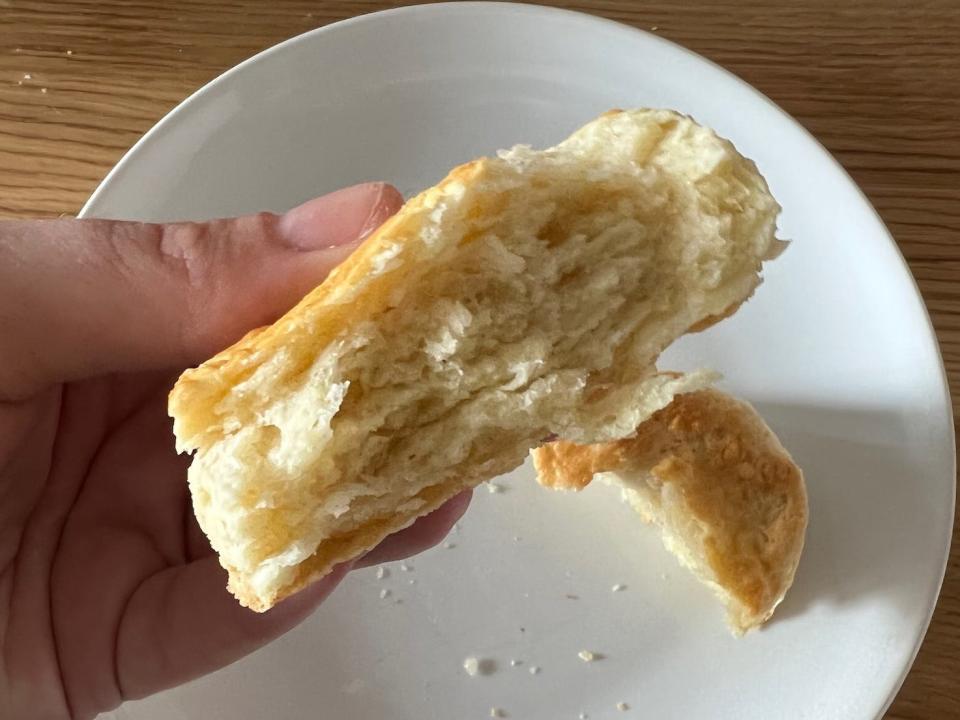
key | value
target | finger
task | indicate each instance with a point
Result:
(182, 623)
(423, 534)
(85, 297)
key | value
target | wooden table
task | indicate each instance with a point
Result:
(877, 81)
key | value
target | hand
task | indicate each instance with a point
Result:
(108, 589)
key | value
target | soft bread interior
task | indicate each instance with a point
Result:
(729, 501)
(526, 295)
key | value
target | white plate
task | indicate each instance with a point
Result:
(835, 349)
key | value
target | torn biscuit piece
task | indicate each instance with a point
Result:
(727, 497)
(525, 295)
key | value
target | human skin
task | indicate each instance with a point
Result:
(108, 588)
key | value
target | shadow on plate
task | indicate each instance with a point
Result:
(867, 491)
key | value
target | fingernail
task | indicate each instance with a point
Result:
(341, 218)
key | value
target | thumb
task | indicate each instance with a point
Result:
(86, 297)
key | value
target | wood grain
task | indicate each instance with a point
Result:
(877, 82)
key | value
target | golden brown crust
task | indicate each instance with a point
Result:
(736, 481)
(336, 550)
(563, 465)
(333, 304)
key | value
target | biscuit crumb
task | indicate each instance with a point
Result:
(586, 656)
(618, 587)
(622, 706)
(382, 572)
(493, 487)
(496, 712)
(384, 594)
(479, 666)
(534, 669)
(515, 662)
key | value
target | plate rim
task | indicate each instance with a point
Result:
(129, 157)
